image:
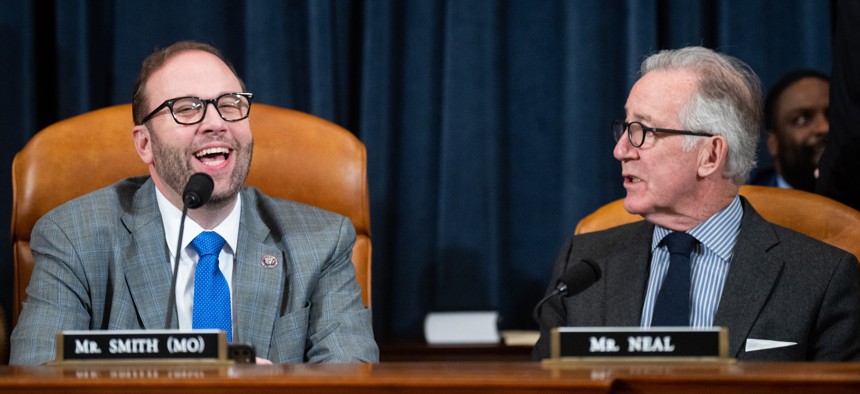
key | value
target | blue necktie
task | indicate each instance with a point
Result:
(211, 293)
(672, 307)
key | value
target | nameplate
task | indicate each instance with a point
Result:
(141, 345)
(576, 343)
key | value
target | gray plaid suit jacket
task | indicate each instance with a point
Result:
(102, 262)
(781, 286)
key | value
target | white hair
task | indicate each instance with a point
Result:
(727, 101)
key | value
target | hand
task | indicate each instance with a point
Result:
(263, 361)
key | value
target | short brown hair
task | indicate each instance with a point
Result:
(154, 61)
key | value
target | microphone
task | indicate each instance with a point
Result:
(572, 282)
(197, 192)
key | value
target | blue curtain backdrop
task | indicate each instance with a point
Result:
(486, 121)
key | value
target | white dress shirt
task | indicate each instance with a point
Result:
(710, 262)
(227, 229)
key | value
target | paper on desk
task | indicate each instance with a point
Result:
(520, 337)
(461, 327)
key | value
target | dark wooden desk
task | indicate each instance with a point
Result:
(394, 351)
(435, 377)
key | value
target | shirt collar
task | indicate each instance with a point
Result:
(718, 233)
(171, 216)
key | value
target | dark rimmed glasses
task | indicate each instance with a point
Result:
(636, 132)
(189, 110)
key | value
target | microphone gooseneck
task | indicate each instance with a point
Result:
(573, 281)
(197, 192)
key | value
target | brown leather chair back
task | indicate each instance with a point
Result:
(814, 215)
(297, 156)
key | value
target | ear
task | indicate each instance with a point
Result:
(713, 155)
(143, 143)
(772, 143)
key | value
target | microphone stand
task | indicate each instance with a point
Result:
(560, 289)
(171, 301)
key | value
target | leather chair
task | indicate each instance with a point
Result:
(297, 156)
(814, 215)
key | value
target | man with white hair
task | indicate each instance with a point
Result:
(703, 257)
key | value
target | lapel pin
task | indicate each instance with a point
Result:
(269, 261)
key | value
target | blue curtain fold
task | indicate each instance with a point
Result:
(486, 121)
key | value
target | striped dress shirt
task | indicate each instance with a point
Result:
(709, 261)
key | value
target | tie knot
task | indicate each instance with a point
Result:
(680, 242)
(208, 243)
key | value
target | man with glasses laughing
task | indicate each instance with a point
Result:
(101, 261)
(703, 257)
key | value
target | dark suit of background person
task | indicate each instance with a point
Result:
(797, 120)
(102, 261)
(780, 285)
(839, 169)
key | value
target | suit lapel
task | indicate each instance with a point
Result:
(751, 277)
(258, 288)
(146, 260)
(148, 271)
(625, 273)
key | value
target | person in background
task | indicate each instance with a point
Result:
(703, 257)
(839, 168)
(271, 273)
(797, 120)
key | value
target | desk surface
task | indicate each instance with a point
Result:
(421, 352)
(431, 377)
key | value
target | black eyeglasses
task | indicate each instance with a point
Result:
(188, 110)
(637, 131)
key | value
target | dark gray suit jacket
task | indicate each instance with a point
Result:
(102, 262)
(781, 286)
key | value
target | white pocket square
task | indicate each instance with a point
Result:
(764, 344)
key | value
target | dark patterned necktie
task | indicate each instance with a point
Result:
(672, 307)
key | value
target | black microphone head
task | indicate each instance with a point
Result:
(198, 190)
(578, 278)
